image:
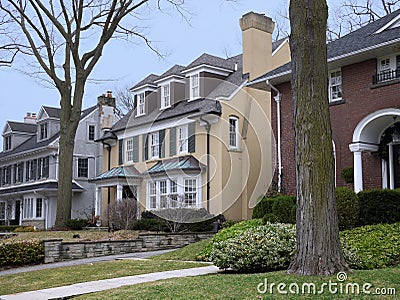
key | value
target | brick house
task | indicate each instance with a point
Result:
(364, 98)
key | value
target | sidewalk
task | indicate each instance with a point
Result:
(106, 284)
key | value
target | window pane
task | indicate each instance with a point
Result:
(190, 192)
(39, 207)
(83, 167)
(91, 132)
(2, 210)
(154, 145)
(335, 86)
(183, 139)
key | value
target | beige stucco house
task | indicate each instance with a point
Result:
(197, 136)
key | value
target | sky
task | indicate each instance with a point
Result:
(213, 28)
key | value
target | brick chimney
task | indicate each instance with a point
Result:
(106, 100)
(30, 118)
(257, 32)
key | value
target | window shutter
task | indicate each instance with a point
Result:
(145, 154)
(120, 151)
(135, 148)
(161, 136)
(192, 137)
(172, 141)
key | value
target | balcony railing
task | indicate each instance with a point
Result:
(386, 76)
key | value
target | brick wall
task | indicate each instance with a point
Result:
(360, 100)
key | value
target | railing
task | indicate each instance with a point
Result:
(386, 76)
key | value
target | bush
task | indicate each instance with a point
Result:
(347, 174)
(227, 233)
(266, 248)
(76, 224)
(270, 218)
(282, 209)
(24, 229)
(9, 228)
(122, 213)
(379, 206)
(348, 208)
(264, 206)
(373, 246)
(157, 225)
(21, 253)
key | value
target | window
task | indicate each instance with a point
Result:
(43, 167)
(39, 207)
(31, 170)
(173, 193)
(141, 104)
(384, 65)
(233, 132)
(28, 208)
(163, 194)
(194, 86)
(7, 175)
(129, 150)
(165, 96)
(190, 192)
(2, 210)
(32, 208)
(7, 143)
(43, 131)
(19, 173)
(335, 86)
(154, 145)
(153, 195)
(83, 167)
(91, 133)
(183, 139)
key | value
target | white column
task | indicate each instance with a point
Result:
(97, 204)
(358, 177)
(119, 192)
(384, 174)
(391, 167)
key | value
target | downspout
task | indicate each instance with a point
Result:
(277, 99)
(208, 128)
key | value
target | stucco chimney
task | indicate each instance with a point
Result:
(30, 118)
(257, 32)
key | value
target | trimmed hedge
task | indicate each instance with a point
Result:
(348, 208)
(77, 224)
(379, 206)
(278, 209)
(21, 253)
(8, 228)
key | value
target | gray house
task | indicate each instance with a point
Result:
(29, 164)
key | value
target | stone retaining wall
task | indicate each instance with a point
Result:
(57, 250)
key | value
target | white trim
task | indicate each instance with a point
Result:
(389, 24)
(138, 110)
(286, 40)
(359, 146)
(170, 78)
(207, 68)
(236, 146)
(330, 97)
(144, 88)
(166, 86)
(7, 129)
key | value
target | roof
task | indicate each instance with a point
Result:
(176, 70)
(277, 43)
(184, 163)
(50, 185)
(148, 80)
(207, 59)
(182, 108)
(356, 42)
(22, 127)
(53, 112)
(118, 172)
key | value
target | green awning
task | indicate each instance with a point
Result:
(118, 172)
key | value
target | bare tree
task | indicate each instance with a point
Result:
(317, 232)
(123, 213)
(124, 100)
(66, 39)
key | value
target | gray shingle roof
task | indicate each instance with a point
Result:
(183, 108)
(22, 127)
(43, 186)
(175, 70)
(207, 59)
(355, 42)
(52, 112)
(148, 80)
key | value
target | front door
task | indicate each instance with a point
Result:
(396, 165)
(17, 213)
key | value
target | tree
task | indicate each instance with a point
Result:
(317, 232)
(67, 39)
(124, 101)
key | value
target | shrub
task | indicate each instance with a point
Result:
(229, 223)
(123, 213)
(347, 174)
(24, 229)
(373, 246)
(76, 224)
(21, 253)
(266, 248)
(379, 206)
(348, 208)
(263, 207)
(227, 233)
(8, 228)
(282, 208)
(150, 225)
(270, 218)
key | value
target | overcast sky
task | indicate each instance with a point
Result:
(214, 29)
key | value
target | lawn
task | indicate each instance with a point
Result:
(84, 235)
(43, 279)
(187, 253)
(244, 286)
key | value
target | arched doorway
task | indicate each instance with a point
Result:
(370, 135)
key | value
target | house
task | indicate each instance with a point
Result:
(364, 98)
(197, 136)
(29, 164)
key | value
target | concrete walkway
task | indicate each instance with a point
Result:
(106, 284)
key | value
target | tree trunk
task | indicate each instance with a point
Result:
(318, 245)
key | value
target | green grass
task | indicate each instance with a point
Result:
(187, 253)
(49, 278)
(244, 286)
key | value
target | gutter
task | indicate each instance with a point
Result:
(277, 99)
(208, 128)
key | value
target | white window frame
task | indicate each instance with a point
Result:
(334, 82)
(30, 208)
(7, 143)
(141, 104)
(234, 135)
(183, 139)
(154, 147)
(78, 167)
(165, 96)
(190, 189)
(152, 195)
(194, 86)
(43, 131)
(129, 150)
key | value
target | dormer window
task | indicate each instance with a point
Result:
(194, 87)
(141, 104)
(7, 143)
(165, 96)
(43, 131)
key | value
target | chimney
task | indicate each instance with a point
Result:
(257, 32)
(30, 118)
(106, 100)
